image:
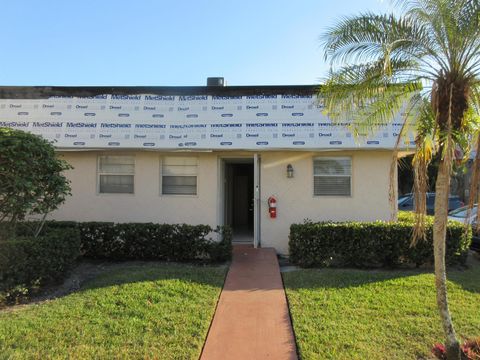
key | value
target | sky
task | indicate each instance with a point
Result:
(168, 43)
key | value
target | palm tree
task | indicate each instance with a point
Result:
(424, 63)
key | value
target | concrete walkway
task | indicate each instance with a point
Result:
(252, 319)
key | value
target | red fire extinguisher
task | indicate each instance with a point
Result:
(272, 207)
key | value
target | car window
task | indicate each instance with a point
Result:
(459, 214)
(408, 201)
(462, 212)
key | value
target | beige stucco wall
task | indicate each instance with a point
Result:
(369, 200)
(146, 204)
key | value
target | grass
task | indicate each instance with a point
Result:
(354, 314)
(149, 311)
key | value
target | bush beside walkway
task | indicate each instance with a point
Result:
(28, 263)
(372, 244)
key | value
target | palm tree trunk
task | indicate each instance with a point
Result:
(439, 245)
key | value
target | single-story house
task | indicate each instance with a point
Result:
(208, 155)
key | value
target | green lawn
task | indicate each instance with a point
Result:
(149, 311)
(353, 314)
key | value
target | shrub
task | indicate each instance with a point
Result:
(470, 350)
(147, 241)
(26, 263)
(371, 244)
(222, 250)
(31, 176)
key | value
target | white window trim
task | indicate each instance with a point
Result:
(161, 194)
(107, 173)
(327, 175)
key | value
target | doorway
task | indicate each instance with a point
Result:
(239, 199)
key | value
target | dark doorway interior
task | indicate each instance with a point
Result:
(239, 199)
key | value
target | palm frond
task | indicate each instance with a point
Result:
(382, 63)
(415, 100)
(365, 96)
(425, 148)
(453, 26)
(474, 193)
(431, 52)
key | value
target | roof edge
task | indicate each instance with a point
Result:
(44, 92)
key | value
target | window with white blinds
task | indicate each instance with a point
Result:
(332, 176)
(179, 175)
(116, 174)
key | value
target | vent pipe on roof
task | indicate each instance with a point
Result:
(216, 81)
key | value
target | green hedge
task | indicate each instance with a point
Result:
(371, 244)
(26, 263)
(148, 241)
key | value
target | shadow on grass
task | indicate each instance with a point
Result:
(337, 278)
(90, 275)
(134, 272)
(469, 278)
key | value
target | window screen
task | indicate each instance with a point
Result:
(179, 175)
(116, 174)
(332, 176)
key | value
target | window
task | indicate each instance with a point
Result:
(332, 176)
(179, 175)
(115, 174)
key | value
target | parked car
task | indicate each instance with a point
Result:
(406, 203)
(402, 198)
(460, 215)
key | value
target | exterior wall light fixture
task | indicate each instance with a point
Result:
(289, 171)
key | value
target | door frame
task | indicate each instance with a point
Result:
(257, 200)
(221, 200)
